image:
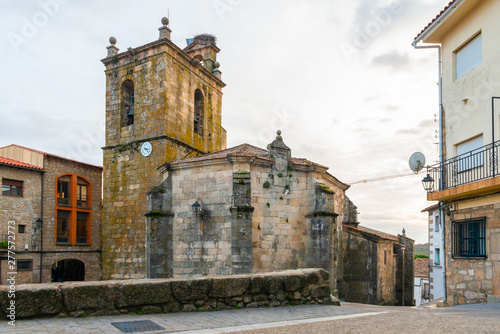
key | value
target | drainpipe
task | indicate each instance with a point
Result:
(493, 130)
(41, 224)
(441, 181)
(404, 280)
(438, 47)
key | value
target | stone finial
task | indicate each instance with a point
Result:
(112, 49)
(281, 153)
(278, 142)
(164, 29)
(216, 72)
(404, 232)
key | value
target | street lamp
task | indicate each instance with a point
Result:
(428, 183)
(196, 208)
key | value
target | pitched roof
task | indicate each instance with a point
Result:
(421, 267)
(45, 154)
(450, 4)
(243, 150)
(373, 232)
(15, 163)
(431, 208)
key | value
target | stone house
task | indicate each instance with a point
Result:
(244, 210)
(377, 266)
(465, 182)
(52, 205)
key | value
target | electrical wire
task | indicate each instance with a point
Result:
(381, 178)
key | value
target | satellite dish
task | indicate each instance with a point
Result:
(417, 162)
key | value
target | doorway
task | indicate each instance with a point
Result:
(68, 270)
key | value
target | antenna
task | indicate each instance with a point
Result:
(417, 162)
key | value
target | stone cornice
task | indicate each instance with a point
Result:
(164, 41)
(175, 140)
(192, 164)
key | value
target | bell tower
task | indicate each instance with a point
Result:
(163, 103)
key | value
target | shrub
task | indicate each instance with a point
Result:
(420, 256)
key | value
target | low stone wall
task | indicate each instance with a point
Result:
(75, 299)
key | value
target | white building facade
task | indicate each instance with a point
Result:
(466, 182)
(436, 254)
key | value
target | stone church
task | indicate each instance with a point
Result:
(178, 203)
(243, 210)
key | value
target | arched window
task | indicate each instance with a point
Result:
(73, 210)
(198, 112)
(200, 58)
(127, 103)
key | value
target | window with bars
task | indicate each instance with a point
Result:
(24, 265)
(469, 238)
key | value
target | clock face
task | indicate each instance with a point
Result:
(146, 149)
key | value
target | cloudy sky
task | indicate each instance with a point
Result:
(339, 78)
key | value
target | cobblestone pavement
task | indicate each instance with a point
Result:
(350, 318)
(477, 318)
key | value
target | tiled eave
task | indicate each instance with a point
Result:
(452, 14)
(18, 164)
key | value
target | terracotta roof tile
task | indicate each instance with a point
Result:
(380, 234)
(431, 208)
(240, 150)
(421, 267)
(451, 3)
(51, 155)
(15, 163)
(244, 150)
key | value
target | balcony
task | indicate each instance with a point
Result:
(469, 174)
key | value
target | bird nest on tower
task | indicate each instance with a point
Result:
(206, 38)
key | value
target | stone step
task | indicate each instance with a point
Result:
(493, 299)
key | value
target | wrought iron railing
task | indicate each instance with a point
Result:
(476, 165)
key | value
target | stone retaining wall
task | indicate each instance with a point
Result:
(75, 299)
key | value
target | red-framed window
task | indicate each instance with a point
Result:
(73, 210)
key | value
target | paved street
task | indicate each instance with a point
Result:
(350, 318)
